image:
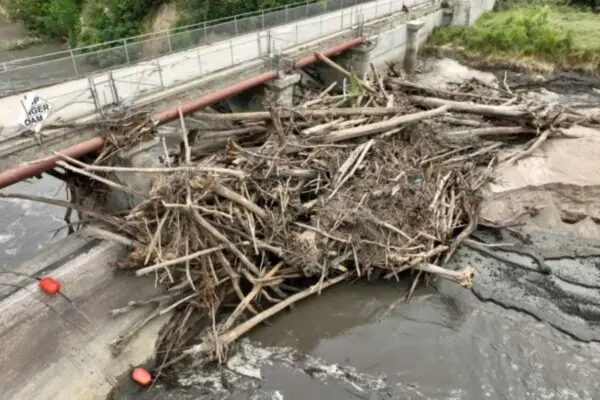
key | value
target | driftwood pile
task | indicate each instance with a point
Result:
(381, 179)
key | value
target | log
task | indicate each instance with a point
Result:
(433, 91)
(328, 112)
(464, 107)
(382, 126)
(463, 277)
(491, 131)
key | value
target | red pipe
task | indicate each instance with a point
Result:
(35, 168)
(173, 113)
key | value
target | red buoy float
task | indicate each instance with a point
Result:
(141, 376)
(49, 285)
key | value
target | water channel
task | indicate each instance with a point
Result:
(358, 340)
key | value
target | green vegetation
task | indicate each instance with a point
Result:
(86, 22)
(534, 35)
(193, 11)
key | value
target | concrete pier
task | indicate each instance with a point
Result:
(412, 45)
(283, 89)
(462, 13)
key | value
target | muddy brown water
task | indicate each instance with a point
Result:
(361, 341)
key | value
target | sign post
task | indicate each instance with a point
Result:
(34, 112)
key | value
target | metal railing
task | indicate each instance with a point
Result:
(21, 75)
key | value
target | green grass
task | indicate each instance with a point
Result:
(535, 37)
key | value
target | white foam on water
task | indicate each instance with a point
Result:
(6, 237)
(244, 371)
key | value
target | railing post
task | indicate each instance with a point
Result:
(159, 69)
(321, 24)
(341, 19)
(306, 6)
(286, 14)
(113, 87)
(235, 24)
(262, 14)
(92, 86)
(391, 7)
(169, 42)
(231, 50)
(199, 62)
(126, 51)
(73, 61)
(205, 33)
(296, 43)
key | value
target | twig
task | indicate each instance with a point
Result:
(232, 335)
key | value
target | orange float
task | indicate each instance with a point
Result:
(141, 376)
(49, 285)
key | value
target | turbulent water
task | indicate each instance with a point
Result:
(361, 341)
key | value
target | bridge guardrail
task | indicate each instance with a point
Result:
(22, 75)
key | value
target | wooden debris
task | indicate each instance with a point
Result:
(289, 201)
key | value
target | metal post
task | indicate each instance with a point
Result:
(205, 33)
(306, 6)
(73, 61)
(126, 52)
(391, 7)
(113, 87)
(12, 84)
(296, 43)
(92, 86)
(286, 14)
(262, 14)
(199, 61)
(342, 20)
(231, 50)
(321, 24)
(169, 42)
(235, 24)
(159, 69)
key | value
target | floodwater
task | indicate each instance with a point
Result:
(362, 341)
(29, 226)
